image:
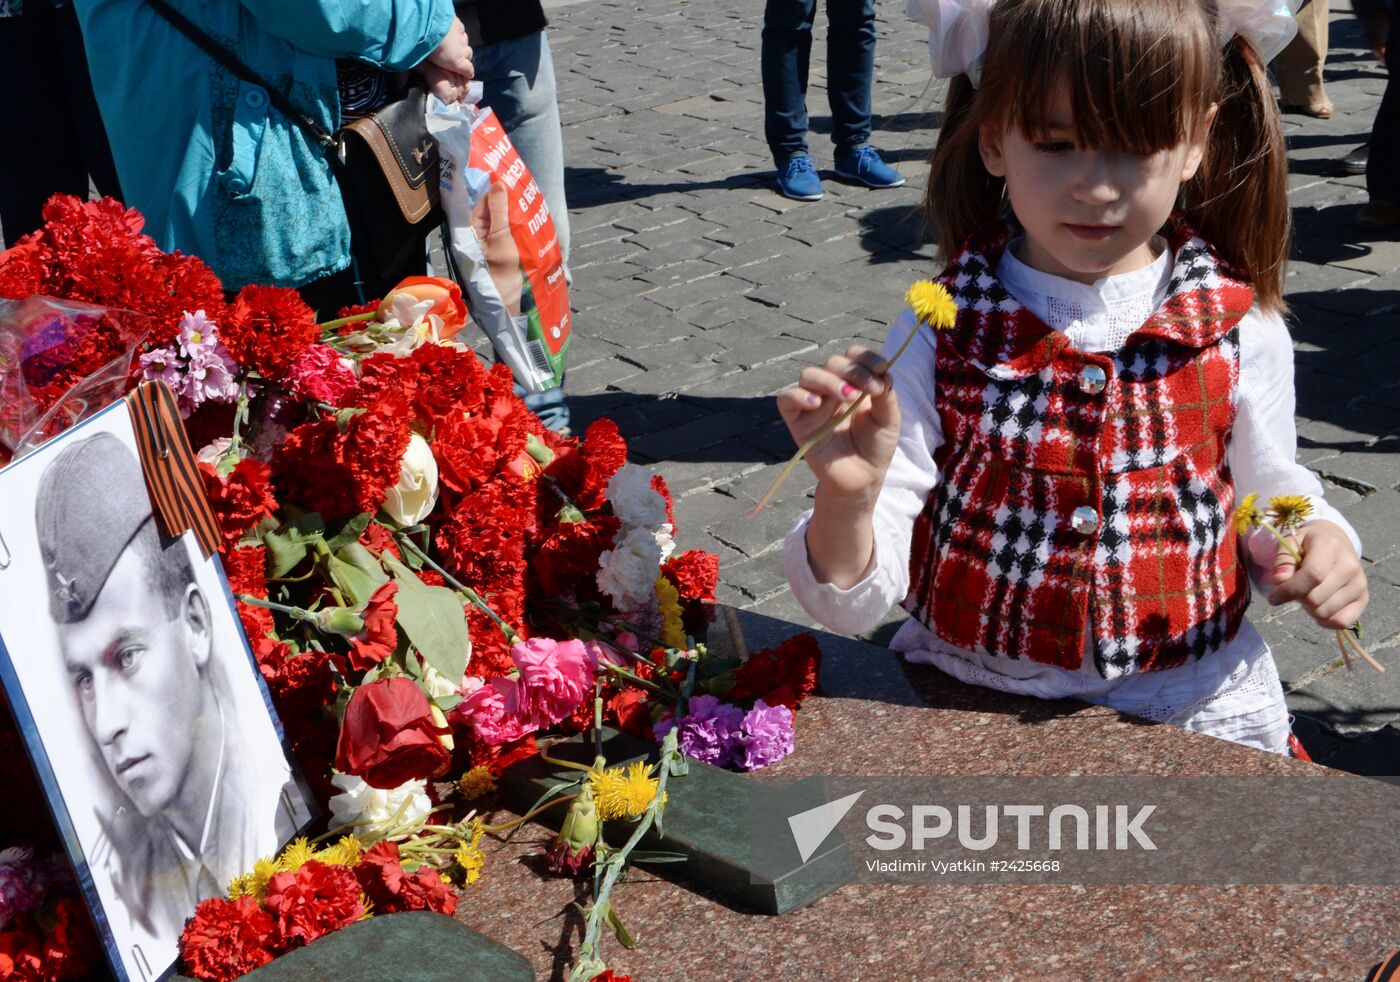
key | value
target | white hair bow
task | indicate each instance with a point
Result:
(957, 30)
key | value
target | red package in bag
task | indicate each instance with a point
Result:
(503, 243)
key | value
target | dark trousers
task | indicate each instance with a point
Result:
(52, 133)
(1383, 164)
(850, 66)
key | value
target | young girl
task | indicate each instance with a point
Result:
(1048, 485)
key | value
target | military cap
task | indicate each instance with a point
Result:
(92, 502)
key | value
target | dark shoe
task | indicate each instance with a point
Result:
(798, 179)
(1353, 163)
(865, 166)
(1379, 215)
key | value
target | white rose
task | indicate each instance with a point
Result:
(634, 501)
(409, 501)
(370, 809)
(628, 572)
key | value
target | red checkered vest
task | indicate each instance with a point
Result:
(1084, 494)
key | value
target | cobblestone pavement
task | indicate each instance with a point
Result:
(700, 293)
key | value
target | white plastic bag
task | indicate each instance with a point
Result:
(502, 243)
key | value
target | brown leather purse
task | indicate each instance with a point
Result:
(386, 163)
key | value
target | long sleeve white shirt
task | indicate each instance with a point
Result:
(1235, 693)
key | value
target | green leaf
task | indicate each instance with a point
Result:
(288, 546)
(656, 856)
(349, 532)
(356, 571)
(448, 702)
(615, 922)
(711, 667)
(433, 619)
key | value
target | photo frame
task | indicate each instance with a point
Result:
(132, 684)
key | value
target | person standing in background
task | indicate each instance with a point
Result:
(850, 70)
(1298, 67)
(54, 144)
(512, 60)
(216, 170)
(1383, 167)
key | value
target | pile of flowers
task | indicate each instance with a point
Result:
(430, 580)
(45, 931)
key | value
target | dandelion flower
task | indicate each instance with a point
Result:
(1289, 510)
(470, 857)
(345, 852)
(475, 783)
(623, 792)
(295, 856)
(1247, 514)
(932, 304)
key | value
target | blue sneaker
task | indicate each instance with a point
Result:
(797, 179)
(864, 166)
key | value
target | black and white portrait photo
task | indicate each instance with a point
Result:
(148, 720)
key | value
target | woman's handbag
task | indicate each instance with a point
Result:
(386, 163)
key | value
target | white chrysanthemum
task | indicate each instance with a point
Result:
(371, 810)
(634, 501)
(627, 573)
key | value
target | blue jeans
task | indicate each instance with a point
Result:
(518, 79)
(850, 65)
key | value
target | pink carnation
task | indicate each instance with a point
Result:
(492, 709)
(554, 677)
(320, 373)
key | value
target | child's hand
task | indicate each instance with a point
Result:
(852, 460)
(1330, 584)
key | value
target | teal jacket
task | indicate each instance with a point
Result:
(217, 171)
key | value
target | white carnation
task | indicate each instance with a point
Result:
(370, 809)
(664, 542)
(634, 501)
(628, 572)
(437, 684)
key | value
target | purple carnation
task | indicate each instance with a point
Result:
(709, 732)
(765, 736)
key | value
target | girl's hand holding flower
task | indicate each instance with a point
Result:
(1329, 583)
(852, 460)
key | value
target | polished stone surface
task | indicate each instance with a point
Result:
(876, 717)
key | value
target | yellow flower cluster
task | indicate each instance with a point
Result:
(346, 851)
(623, 792)
(469, 854)
(669, 599)
(475, 783)
(932, 304)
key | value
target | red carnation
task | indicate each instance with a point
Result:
(226, 939)
(629, 710)
(339, 473)
(392, 889)
(319, 374)
(268, 328)
(584, 473)
(376, 538)
(246, 569)
(388, 735)
(240, 500)
(695, 574)
(658, 484)
(379, 638)
(450, 381)
(608, 975)
(567, 562)
(781, 676)
(301, 684)
(315, 900)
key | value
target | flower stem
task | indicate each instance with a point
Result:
(507, 826)
(825, 431)
(339, 322)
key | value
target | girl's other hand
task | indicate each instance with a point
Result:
(1329, 583)
(853, 459)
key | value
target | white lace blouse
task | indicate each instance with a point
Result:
(1234, 694)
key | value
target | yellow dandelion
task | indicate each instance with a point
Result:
(1247, 514)
(295, 856)
(475, 783)
(347, 851)
(932, 304)
(470, 857)
(1289, 510)
(623, 792)
(669, 600)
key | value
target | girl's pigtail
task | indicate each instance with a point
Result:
(1239, 200)
(961, 196)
